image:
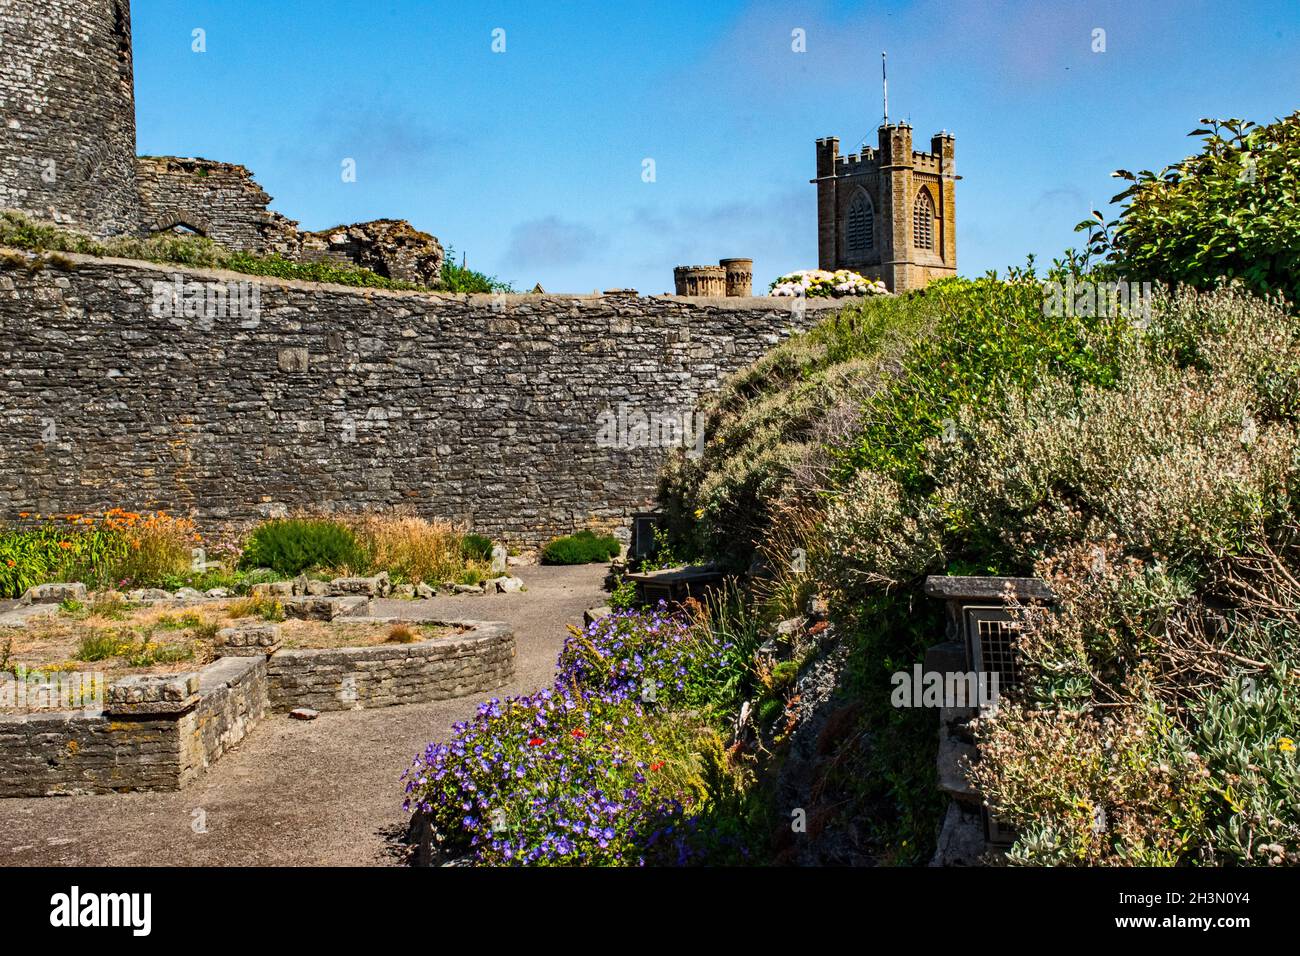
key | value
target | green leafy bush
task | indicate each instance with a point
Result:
(290, 546)
(458, 278)
(585, 547)
(1174, 445)
(1229, 212)
(476, 547)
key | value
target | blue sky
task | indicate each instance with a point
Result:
(530, 161)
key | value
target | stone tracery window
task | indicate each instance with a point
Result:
(860, 227)
(923, 221)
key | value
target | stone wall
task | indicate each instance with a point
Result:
(217, 200)
(234, 696)
(67, 143)
(355, 678)
(481, 409)
(70, 752)
(392, 248)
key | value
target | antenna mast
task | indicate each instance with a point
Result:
(884, 80)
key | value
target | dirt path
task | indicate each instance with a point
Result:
(322, 792)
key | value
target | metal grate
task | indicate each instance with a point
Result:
(643, 535)
(998, 834)
(991, 644)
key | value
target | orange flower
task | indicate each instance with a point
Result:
(12, 563)
(65, 544)
(22, 514)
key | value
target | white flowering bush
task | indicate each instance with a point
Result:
(812, 283)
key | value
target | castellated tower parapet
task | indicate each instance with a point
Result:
(888, 212)
(67, 147)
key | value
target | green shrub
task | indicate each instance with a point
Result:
(1229, 212)
(991, 437)
(585, 547)
(100, 646)
(624, 595)
(290, 546)
(476, 547)
(458, 278)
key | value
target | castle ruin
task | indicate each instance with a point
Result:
(68, 154)
(483, 409)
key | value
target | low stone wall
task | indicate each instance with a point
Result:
(355, 678)
(234, 696)
(161, 733)
(75, 752)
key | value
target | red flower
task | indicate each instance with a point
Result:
(579, 732)
(536, 742)
(657, 765)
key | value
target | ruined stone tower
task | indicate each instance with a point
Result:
(889, 212)
(67, 148)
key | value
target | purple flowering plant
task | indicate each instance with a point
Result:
(599, 769)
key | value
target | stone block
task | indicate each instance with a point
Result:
(158, 694)
(953, 753)
(377, 586)
(325, 608)
(248, 640)
(293, 360)
(54, 593)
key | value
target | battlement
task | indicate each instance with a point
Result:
(887, 212)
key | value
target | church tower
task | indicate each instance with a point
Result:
(888, 213)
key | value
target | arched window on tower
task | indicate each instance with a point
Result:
(923, 221)
(860, 228)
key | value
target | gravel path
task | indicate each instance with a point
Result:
(322, 792)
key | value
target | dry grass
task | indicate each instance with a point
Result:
(318, 634)
(401, 634)
(414, 548)
(120, 640)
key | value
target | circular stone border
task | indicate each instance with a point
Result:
(386, 675)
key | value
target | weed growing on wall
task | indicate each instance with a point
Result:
(19, 232)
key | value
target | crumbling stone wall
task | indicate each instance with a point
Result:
(483, 409)
(217, 200)
(67, 144)
(390, 247)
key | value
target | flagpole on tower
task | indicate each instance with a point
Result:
(884, 80)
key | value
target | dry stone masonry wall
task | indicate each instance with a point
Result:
(483, 409)
(217, 200)
(355, 678)
(143, 741)
(67, 149)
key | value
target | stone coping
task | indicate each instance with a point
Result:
(981, 588)
(477, 631)
(152, 695)
(515, 298)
